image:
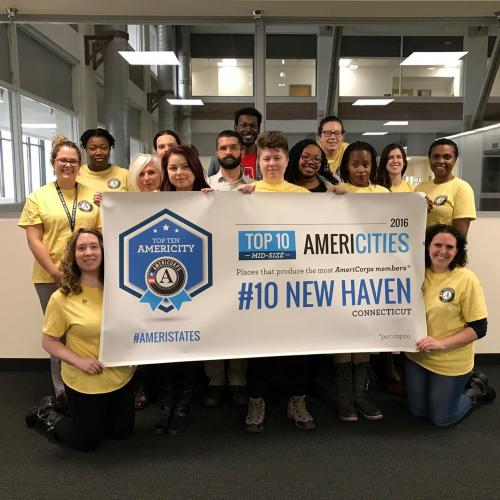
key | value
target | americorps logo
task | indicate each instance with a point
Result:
(165, 260)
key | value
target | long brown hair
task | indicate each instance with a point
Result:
(70, 284)
(194, 165)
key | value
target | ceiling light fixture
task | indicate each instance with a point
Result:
(372, 102)
(185, 102)
(159, 58)
(396, 123)
(374, 133)
(39, 125)
(432, 58)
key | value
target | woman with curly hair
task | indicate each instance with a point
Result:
(441, 385)
(308, 167)
(101, 400)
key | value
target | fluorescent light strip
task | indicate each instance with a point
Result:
(372, 102)
(185, 102)
(39, 125)
(159, 58)
(396, 123)
(432, 58)
(374, 133)
(475, 131)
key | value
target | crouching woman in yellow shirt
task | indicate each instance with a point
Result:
(441, 385)
(101, 400)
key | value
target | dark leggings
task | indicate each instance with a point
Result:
(94, 416)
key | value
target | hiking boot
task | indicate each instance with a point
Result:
(34, 414)
(254, 421)
(361, 384)
(479, 390)
(297, 412)
(344, 390)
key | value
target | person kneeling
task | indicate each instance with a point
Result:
(101, 400)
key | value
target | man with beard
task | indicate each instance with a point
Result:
(247, 123)
(229, 150)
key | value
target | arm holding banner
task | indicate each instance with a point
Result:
(56, 348)
(459, 339)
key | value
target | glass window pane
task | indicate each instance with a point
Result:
(291, 77)
(40, 123)
(369, 76)
(6, 158)
(222, 77)
(432, 80)
(495, 90)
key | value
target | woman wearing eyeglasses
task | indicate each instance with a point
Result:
(308, 167)
(331, 139)
(50, 216)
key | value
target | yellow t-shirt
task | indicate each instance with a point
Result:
(79, 318)
(334, 161)
(452, 200)
(114, 178)
(371, 188)
(44, 206)
(404, 187)
(283, 187)
(452, 300)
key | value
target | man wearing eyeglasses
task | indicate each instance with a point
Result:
(331, 139)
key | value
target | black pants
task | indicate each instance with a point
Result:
(94, 416)
(293, 369)
(173, 382)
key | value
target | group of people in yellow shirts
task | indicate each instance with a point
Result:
(63, 226)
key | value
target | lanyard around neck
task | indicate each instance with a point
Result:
(71, 216)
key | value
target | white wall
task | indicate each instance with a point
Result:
(22, 318)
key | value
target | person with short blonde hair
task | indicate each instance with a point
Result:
(145, 173)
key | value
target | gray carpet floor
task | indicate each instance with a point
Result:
(397, 457)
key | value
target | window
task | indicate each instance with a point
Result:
(40, 123)
(6, 158)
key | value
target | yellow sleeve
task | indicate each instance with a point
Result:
(54, 323)
(30, 215)
(464, 207)
(472, 301)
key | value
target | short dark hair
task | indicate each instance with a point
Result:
(358, 146)
(443, 142)
(229, 133)
(383, 177)
(330, 118)
(460, 259)
(166, 132)
(292, 170)
(272, 139)
(193, 163)
(249, 112)
(96, 132)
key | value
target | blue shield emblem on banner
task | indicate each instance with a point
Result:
(165, 260)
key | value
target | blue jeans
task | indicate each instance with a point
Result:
(439, 398)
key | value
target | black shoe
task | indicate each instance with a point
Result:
(179, 421)
(214, 395)
(62, 405)
(362, 378)
(479, 390)
(34, 414)
(239, 395)
(346, 409)
(161, 425)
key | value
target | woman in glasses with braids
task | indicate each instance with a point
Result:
(50, 216)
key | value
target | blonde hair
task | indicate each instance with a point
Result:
(137, 165)
(61, 141)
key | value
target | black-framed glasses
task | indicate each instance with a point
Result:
(63, 161)
(330, 133)
(311, 159)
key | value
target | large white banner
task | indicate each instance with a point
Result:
(192, 276)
